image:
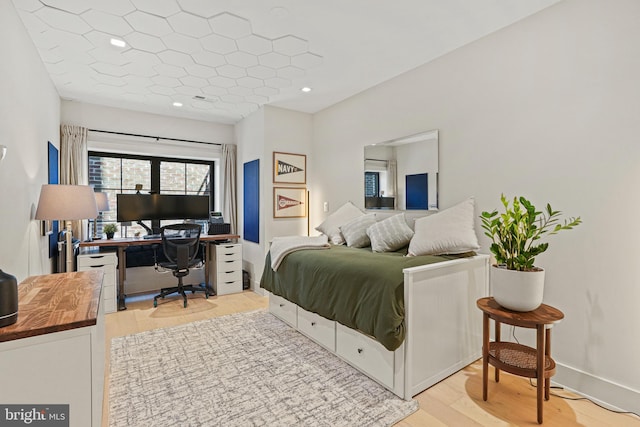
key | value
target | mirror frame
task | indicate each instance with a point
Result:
(421, 175)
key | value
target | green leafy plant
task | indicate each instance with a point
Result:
(515, 234)
(110, 228)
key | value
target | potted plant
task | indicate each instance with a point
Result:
(109, 230)
(517, 284)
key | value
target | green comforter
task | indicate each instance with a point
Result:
(356, 287)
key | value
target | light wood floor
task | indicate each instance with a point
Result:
(456, 401)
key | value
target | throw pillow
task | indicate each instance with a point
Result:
(450, 231)
(389, 234)
(355, 231)
(331, 226)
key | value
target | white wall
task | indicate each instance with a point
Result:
(111, 119)
(118, 120)
(547, 108)
(250, 140)
(29, 117)
(258, 136)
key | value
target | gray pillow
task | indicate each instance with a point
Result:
(450, 231)
(355, 231)
(390, 234)
(331, 226)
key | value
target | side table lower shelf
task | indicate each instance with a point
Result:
(516, 358)
(519, 360)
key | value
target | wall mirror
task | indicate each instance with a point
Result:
(402, 174)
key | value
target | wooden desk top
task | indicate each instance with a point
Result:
(543, 315)
(139, 241)
(54, 303)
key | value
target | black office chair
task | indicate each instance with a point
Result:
(180, 244)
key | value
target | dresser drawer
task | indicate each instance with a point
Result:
(365, 354)
(318, 328)
(229, 276)
(102, 260)
(109, 305)
(108, 291)
(284, 309)
(228, 266)
(224, 288)
(106, 262)
(228, 252)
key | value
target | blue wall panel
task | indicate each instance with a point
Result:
(252, 201)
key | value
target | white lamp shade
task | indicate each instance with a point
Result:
(102, 201)
(66, 202)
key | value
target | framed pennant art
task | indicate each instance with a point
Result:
(289, 168)
(289, 202)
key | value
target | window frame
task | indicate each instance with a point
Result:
(156, 169)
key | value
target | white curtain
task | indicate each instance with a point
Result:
(392, 170)
(229, 192)
(73, 165)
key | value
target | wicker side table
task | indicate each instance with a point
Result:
(515, 358)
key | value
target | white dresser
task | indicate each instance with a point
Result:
(107, 262)
(227, 265)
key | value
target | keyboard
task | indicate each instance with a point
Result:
(152, 236)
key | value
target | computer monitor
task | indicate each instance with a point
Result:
(138, 207)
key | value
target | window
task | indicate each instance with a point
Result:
(371, 184)
(114, 173)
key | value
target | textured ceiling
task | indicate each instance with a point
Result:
(224, 59)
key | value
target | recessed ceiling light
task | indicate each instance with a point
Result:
(306, 89)
(279, 12)
(177, 104)
(118, 42)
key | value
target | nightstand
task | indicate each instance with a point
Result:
(516, 358)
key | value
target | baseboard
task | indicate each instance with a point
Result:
(602, 391)
(258, 290)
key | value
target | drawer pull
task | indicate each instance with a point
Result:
(360, 351)
(281, 305)
(230, 261)
(96, 256)
(229, 272)
(97, 266)
(231, 281)
(313, 323)
(229, 254)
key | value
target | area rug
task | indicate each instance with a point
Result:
(246, 369)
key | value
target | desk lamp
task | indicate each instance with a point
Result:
(66, 203)
(102, 203)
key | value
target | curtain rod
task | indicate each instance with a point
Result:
(157, 138)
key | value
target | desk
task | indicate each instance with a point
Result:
(123, 244)
(54, 353)
(516, 358)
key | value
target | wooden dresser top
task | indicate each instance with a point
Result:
(54, 303)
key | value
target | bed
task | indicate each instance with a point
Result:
(406, 322)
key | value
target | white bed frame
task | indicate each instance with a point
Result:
(443, 327)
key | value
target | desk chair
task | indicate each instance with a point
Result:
(180, 243)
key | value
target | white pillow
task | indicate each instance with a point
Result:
(331, 226)
(389, 234)
(355, 231)
(450, 231)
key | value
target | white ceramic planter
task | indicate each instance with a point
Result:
(517, 290)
